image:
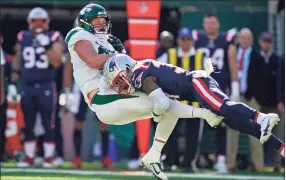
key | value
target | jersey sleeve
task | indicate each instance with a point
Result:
(56, 36)
(76, 35)
(139, 73)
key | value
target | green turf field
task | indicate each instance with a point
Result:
(72, 174)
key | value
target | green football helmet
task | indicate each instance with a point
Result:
(88, 13)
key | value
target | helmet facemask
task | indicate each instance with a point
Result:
(121, 83)
(100, 28)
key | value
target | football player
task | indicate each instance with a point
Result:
(150, 75)
(90, 46)
(38, 53)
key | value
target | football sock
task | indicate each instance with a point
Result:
(104, 141)
(163, 131)
(49, 149)
(30, 147)
(77, 141)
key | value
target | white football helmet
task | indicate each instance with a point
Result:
(117, 71)
(38, 13)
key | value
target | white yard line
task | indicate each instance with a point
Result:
(139, 173)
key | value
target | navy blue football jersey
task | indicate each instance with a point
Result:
(217, 50)
(36, 67)
(172, 80)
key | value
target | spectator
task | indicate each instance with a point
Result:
(247, 57)
(166, 41)
(184, 56)
(268, 74)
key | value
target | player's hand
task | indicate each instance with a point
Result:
(212, 119)
(44, 40)
(116, 43)
(12, 93)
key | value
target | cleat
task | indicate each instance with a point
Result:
(28, 162)
(77, 162)
(267, 124)
(38, 161)
(151, 161)
(107, 163)
(48, 163)
(58, 162)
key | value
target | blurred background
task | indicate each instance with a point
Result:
(84, 142)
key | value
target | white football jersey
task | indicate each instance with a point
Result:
(85, 77)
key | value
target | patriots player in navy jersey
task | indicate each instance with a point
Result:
(38, 54)
(149, 75)
(221, 49)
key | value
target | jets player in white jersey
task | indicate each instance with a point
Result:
(90, 46)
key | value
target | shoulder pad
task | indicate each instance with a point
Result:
(72, 32)
(22, 34)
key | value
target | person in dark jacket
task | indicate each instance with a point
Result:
(267, 88)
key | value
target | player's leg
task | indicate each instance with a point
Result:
(47, 99)
(29, 108)
(106, 161)
(77, 134)
(208, 93)
(252, 128)
(59, 161)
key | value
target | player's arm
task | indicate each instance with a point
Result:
(68, 78)
(161, 101)
(16, 63)
(55, 54)
(233, 72)
(88, 54)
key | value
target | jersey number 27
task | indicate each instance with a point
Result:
(30, 55)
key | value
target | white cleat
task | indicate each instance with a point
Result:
(23, 165)
(267, 125)
(58, 162)
(151, 161)
(38, 161)
(47, 165)
(212, 119)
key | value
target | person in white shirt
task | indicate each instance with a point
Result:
(244, 56)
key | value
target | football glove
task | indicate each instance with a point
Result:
(116, 43)
(44, 40)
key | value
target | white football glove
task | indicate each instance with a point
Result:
(44, 40)
(12, 94)
(234, 96)
(212, 119)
